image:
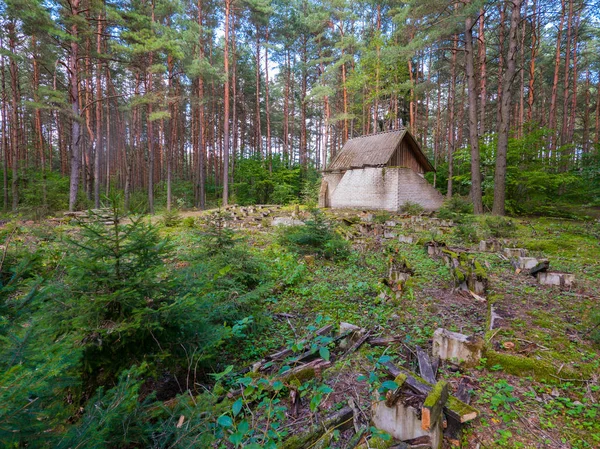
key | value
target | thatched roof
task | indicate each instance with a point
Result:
(375, 150)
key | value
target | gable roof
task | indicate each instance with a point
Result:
(376, 150)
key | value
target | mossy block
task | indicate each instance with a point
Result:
(460, 410)
(459, 275)
(525, 366)
(433, 405)
(479, 271)
(377, 443)
(400, 379)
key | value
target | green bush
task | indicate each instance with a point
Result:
(411, 208)
(171, 218)
(316, 236)
(499, 227)
(467, 231)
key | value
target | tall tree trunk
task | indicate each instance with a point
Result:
(554, 96)
(501, 60)
(39, 136)
(503, 125)
(572, 115)
(586, 114)
(5, 142)
(482, 72)
(257, 129)
(267, 105)
(226, 108)
(534, 48)
(451, 106)
(476, 195)
(98, 149)
(74, 97)
(201, 127)
(14, 123)
(565, 115)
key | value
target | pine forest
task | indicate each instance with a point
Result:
(300, 224)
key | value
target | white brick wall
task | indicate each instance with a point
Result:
(380, 188)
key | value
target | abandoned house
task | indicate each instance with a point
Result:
(379, 171)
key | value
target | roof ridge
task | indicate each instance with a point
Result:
(380, 132)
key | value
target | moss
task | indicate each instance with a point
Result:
(450, 253)
(538, 369)
(479, 271)
(435, 395)
(460, 407)
(459, 275)
(400, 379)
(377, 443)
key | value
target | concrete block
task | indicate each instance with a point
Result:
(390, 223)
(557, 279)
(514, 253)
(406, 239)
(527, 263)
(402, 422)
(448, 345)
(489, 246)
(389, 235)
(286, 221)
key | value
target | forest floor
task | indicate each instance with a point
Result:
(538, 383)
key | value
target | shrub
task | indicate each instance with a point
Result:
(188, 222)
(467, 231)
(171, 218)
(412, 208)
(499, 227)
(382, 217)
(315, 237)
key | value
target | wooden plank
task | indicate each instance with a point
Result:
(425, 366)
(385, 341)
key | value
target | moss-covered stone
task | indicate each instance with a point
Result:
(525, 366)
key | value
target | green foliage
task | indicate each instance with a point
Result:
(467, 230)
(499, 227)
(454, 207)
(171, 218)
(256, 184)
(595, 326)
(411, 208)
(316, 236)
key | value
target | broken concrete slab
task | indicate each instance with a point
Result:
(286, 221)
(390, 223)
(489, 246)
(515, 253)
(562, 280)
(448, 345)
(406, 239)
(527, 263)
(389, 234)
(354, 334)
(402, 422)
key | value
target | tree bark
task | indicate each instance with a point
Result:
(503, 125)
(451, 106)
(476, 194)
(226, 108)
(74, 97)
(554, 96)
